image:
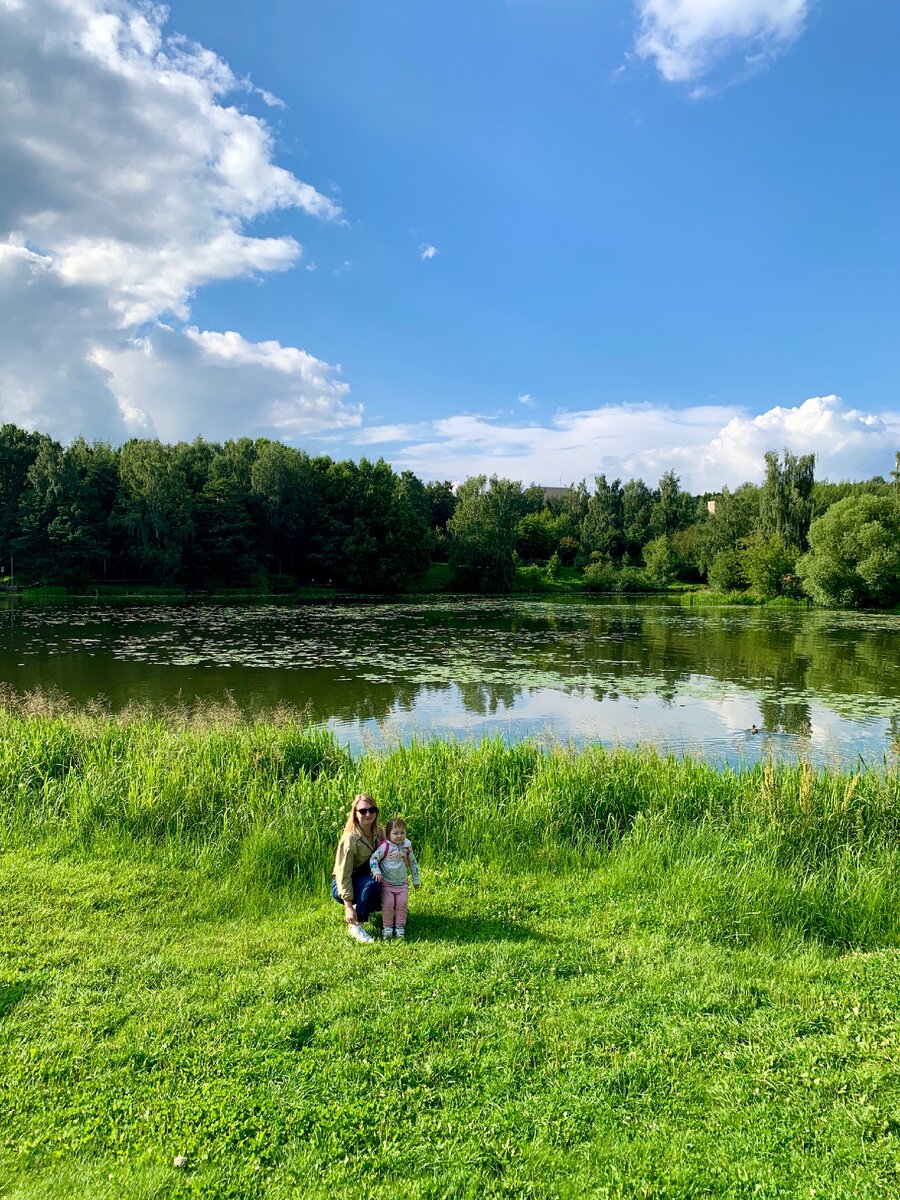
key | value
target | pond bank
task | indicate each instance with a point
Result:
(625, 975)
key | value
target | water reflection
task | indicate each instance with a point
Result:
(786, 716)
(826, 685)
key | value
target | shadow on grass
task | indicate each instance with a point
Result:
(426, 927)
(10, 995)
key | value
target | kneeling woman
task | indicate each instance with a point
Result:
(352, 884)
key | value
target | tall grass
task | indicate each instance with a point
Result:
(743, 853)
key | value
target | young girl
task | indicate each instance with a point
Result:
(392, 865)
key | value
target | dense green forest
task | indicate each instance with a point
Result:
(261, 514)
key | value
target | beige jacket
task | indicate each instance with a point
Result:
(354, 850)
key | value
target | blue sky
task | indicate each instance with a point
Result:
(543, 238)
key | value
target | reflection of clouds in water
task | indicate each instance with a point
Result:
(717, 729)
(679, 679)
(736, 713)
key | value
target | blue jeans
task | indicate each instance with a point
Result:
(366, 893)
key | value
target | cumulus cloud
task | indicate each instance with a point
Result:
(688, 38)
(707, 445)
(526, 399)
(426, 252)
(47, 331)
(128, 181)
(849, 443)
(197, 382)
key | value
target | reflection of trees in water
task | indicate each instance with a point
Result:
(369, 665)
(9, 611)
(378, 702)
(849, 659)
(529, 623)
(786, 716)
(483, 699)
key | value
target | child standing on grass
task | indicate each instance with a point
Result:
(393, 863)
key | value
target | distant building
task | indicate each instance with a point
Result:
(711, 507)
(554, 493)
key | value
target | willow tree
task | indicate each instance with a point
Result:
(786, 499)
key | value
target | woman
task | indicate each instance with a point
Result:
(352, 884)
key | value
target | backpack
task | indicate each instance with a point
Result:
(404, 850)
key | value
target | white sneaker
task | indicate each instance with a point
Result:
(400, 932)
(359, 934)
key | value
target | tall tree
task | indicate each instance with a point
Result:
(483, 533)
(18, 450)
(282, 483)
(226, 545)
(156, 507)
(672, 508)
(442, 502)
(602, 530)
(64, 533)
(637, 513)
(785, 499)
(573, 503)
(48, 484)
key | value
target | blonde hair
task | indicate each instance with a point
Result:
(353, 826)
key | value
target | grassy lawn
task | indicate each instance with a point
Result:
(550, 1035)
(625, 976)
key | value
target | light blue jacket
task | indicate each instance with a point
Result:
(395, 863)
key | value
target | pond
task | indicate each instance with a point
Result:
(818, 685)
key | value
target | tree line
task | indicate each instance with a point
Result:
(259, 513)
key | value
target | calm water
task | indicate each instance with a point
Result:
(820, 685)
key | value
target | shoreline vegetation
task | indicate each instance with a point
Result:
(262, 517)
(627, 975)
(528, 586)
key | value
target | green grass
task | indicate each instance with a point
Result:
(536, 579)
(704, 596)
(626, 975)
(437, 578)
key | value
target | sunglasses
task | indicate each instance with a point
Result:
(366, 812)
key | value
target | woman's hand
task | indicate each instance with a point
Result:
(350, 913)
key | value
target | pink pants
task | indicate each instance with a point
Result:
(394, 905)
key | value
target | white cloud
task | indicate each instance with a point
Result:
(849, 443)
(128, 180)
(47, 378)
(526, 399)
(688, 38)
(65, 369)
(426, 251)
(198, 382)
(707, 445)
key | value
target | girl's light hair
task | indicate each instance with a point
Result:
(352, 825)
(389, 825)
